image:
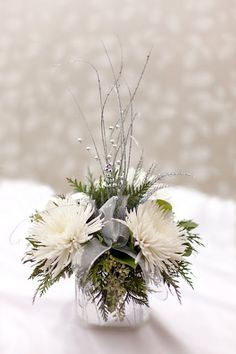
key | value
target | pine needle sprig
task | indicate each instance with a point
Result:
(193, 238)
(185, 272)
(77, 185)
(46, 280)
(172, 282)
(136, 194)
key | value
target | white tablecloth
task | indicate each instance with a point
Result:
(205, 323)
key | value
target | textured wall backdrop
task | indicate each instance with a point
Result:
(187, 100)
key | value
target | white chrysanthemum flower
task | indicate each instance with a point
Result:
(157, 235)
(61, 233)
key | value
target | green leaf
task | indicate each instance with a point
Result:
(124, 259)
(163, 204)
(188, 224)
(188, 251)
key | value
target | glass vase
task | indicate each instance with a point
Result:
(89, 313)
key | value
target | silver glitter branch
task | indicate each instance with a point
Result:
(124, 125)
(121, 118)
(88, 128)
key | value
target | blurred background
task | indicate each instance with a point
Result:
(186, 101)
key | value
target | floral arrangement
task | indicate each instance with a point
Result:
(116, 233)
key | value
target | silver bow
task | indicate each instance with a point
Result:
(115, 235)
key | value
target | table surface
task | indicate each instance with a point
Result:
(205, 322)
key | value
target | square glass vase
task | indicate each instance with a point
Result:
(90, 315)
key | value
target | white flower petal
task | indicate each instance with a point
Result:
(159, 238)
(62, 232)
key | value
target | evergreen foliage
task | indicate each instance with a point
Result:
(112, 284)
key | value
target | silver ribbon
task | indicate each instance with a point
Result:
(91, 252)
(113, 231)
(115, 235)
